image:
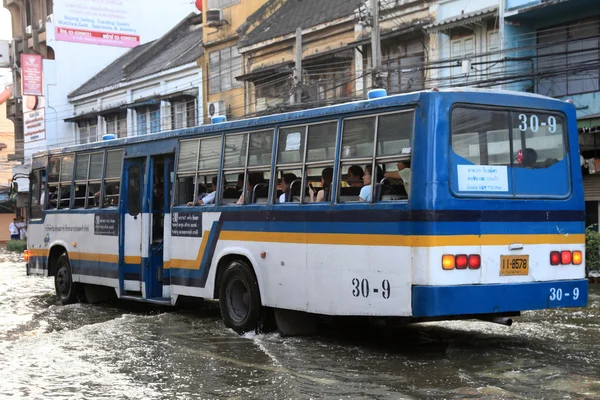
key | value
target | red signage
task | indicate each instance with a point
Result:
(31, 73)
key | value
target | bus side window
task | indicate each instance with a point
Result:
(37, 188)
(134, 198)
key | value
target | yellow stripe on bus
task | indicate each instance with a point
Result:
(190, 264)
(399, 240)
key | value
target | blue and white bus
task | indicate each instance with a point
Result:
(440, 204)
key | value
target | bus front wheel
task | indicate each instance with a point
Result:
(66, 290)
(239, 298)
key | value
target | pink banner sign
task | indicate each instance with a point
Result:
(31, 71)
(96, 37)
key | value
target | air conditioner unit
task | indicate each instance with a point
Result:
(214, 18)
(216, 108)
(28, 30)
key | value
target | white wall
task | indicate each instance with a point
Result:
(76, 63)
(167, 82)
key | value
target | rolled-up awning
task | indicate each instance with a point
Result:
(462, 20)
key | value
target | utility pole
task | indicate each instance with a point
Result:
(375, 45)
(297, 96)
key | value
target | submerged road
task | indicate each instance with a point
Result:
(132, 351)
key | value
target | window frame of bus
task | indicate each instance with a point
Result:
(61, 184)
(509, 111)
(292, 165)
(247, 169)
(108, 180)
(195, 174)
(87, 181)
(305, 164)
(39, 166)
(375, 159)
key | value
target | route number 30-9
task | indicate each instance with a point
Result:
(533, 123)
(558, 294)
(362, 288)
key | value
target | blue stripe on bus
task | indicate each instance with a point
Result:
(413, 228)
(436, 301)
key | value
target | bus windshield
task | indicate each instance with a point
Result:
(508, 153)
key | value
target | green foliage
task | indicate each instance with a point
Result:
(16, 245)
(592, 249)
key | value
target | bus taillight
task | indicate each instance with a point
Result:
(26, 255)
(577, 257)
(461, 261)
(448, 261)
(566, 257)
(474, 261)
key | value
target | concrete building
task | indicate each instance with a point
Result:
(224, 95)
(151, 88)
(7, 144)
(76, 39)
(336, 52)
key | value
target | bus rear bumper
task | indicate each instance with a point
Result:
(437, 301)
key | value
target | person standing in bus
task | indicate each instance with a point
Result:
(403, 174)
(325, 193)
(366, 191)
(286, 187)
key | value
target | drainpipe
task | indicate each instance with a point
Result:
(502, 4)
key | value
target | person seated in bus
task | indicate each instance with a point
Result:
(403, 174)
(366, 191)
(529, 158)
(325, 193)
(355, 176)
(254, 178)
(240, 181)
(286, 187)
(204, 198)
(81, 193)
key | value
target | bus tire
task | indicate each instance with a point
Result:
(239, 298)
(67, 291)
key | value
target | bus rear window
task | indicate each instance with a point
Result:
(508, 153)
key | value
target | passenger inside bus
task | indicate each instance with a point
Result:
(529, 158)
(206, 198)
(325, 193)
(290, 186)
(355, 176)
(255, 186)
(365, 192)
(402, 174)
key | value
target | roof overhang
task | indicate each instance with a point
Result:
(465, 20)
(92, 114)
(346, 53)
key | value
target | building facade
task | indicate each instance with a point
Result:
(224, 95)
(75, 39)
(153, 87)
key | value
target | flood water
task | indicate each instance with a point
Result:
(132, 351)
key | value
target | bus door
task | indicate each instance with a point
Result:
(133, 251)
(159, 204)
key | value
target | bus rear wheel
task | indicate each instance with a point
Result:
(66, 290)
(239, 299)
